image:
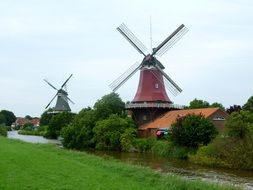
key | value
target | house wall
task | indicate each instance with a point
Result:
(219, 119)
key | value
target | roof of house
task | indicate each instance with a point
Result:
(170, 117)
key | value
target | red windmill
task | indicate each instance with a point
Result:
(151, 98)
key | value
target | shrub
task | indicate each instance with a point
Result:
(107, 132)
(57, 122)
(127, 139)
(170, 150)
(192, 131)
(3, 131)
(79, 134)
(227, 152)
(240, 124)
(144, 145)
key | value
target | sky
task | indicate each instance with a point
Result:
(52, 39)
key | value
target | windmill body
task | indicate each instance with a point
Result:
(151, 87)
(62, 102)
(151, 99)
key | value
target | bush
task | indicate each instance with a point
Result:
(240, 124)
(79, 134)
(58, 122)
(193, 130)
(127, 139)
(107, 132)
(3, 131)
(170, 150)
(227, 152)
(144, 145)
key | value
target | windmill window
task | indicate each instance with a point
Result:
(156, 85)
(144, 117)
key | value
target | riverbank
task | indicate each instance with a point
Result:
(40, 166)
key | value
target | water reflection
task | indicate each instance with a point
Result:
(31, 138)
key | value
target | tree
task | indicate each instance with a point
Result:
(57, 122)
(240, 124)
(7, 117)
(217, 105)
(198, 104)
(109, 104)
(46, 117)
(28, 117)
(193, 130)
(107, 132)
(234, 108)
(3, 131)
(79, 134)
(248, 106)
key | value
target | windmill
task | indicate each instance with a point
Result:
(151, 98)
(62, 98)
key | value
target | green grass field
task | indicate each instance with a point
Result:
(37, 166)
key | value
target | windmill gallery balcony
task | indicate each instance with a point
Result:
(153, 105)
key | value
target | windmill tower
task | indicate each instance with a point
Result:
(62, 98)
(151, 99)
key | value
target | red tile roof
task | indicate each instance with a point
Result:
(170, 117)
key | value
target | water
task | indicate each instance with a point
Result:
(179, 167)
(185, 169)
(31, 138)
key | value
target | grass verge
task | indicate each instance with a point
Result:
(38, 166)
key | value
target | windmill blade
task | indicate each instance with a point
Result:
(66, 81)
(125, 76)
(173, 87)
(70, 100)
(134, 41)
(170, 40)
(50, 101)
(50, 84)
(66, 98)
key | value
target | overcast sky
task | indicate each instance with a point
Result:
(53, 38)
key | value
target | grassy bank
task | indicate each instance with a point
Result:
(37, 166)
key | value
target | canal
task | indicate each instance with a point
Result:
(179, 167)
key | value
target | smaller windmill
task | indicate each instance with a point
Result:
(62, 98)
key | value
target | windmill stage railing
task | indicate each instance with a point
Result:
(153, 105)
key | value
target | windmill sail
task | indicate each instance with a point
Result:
(62, 97)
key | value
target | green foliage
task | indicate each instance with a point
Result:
(194, 104)
(170, 150)
(198, 104)
(3, 131)
(233, 150)
(127, 139)
(240, 124)
(107, 132)
(217, 105)
(109, 104)
(38, 131)
(227, 152)
(248, 106)
(28, 127)
(58, 122)
(79, 134)
(144, 145)
(46, 117)
(192, 131)
(7, 117)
